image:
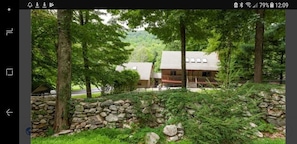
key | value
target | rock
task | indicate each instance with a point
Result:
(275, 113)
(179, 127)
(144, 104)
(113, 107)
(111, 118)
(190, 111)
(174, 138)
(281, 122)
(63, 132)
(160, 120)
(43, 121)
(259, 134)
(170, 130)
(106, 103)
(119, 102)
(126, 126)
(79, 108)
(253, 125)
(146, 110)
(121, 116)
(159, 115)
(51, 103)
(263, 105)
(92, 110)
(151, 138)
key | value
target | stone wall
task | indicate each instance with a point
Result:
(121, 113)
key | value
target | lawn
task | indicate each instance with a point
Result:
(117, 136)
(77, 87)
(94, 95)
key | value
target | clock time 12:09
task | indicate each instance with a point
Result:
(282, 5)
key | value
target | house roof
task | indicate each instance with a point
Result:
(144, 69)
(157, 75)
(172, 60)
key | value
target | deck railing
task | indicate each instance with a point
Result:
(196, 79)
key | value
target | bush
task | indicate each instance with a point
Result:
(221, 119)
(126, 81)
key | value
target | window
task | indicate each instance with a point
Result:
(187, 60)
(192, 60)
(134, 68)
(172, 72)
(206, 74)
(204, 60)
(198, 60)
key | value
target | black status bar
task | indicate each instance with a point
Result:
(173, 4)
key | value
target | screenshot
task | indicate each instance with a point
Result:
(123, 72)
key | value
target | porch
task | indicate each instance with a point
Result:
(192, 81)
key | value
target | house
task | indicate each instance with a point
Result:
(157, 79)
(144, 69)
(201, 68)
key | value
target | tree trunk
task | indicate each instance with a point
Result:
(259, 38)
(84, 20)
(281, 72)
(228, 79)
(183, 53)
(64, 71)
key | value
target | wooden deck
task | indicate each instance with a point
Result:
(190, 79)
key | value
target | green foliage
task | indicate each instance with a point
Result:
(98, 136)
(50, 131)
(229, 76)
(270, 141)
(44, 41)
(146, 47)
(220, 120)
(126, 81)
(263, 126)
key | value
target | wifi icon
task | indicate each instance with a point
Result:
(248, 4)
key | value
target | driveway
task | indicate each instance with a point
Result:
(78, 92)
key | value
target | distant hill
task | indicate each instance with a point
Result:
(147, 47)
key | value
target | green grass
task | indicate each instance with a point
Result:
(270, 141)
(118, 136)
(77, 87)
(94, 95)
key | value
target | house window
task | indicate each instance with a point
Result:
(172, 72)
(187, 60)
(204, 60)
(198, 60)
(192, 60)
(206, 74)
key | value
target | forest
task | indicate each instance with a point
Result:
(75, 47)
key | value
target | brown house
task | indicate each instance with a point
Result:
(201, 68)
(144, 69)
(157, 79)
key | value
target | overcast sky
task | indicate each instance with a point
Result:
(108, 16)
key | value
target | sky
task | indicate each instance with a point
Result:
(108, 16)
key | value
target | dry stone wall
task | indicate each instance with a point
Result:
(122, 113)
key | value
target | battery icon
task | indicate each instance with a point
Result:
(271, 5)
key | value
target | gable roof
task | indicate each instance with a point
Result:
(157, 75)
(144, 69)
(172, 60)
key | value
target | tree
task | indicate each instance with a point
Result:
(169, 25)
(84, 19)
(259, 40)
(64, 71)
(44, 48)
(126, 81)
(98, 49)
